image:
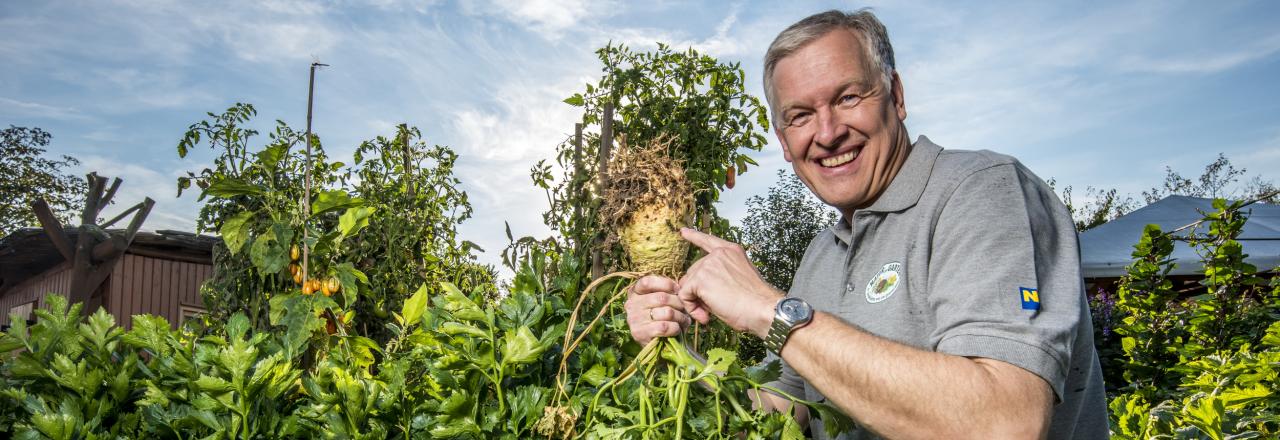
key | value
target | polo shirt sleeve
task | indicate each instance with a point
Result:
(1004, 274)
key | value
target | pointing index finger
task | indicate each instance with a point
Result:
(706, 242)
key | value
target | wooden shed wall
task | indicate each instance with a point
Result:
(154, 286)
(55, 280)
(137, 285)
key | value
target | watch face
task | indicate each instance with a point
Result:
(794, 309)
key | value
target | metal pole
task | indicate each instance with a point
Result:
(306, 191)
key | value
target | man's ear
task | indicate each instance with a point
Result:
(899, 101)
(786, 152)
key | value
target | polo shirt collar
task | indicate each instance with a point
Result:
(905, 189)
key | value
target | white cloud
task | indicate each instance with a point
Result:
(550, 19)
(38, 110)
(499, 144)
(418, 6)
(1204, 62)
(278, 42)
(732, 38)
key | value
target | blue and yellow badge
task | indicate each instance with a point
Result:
(1030, 298)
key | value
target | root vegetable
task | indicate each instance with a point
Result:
(646, 203)
(652, 240)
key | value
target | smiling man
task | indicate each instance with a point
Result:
(946, 303)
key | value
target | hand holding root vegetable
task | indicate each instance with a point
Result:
(725, 283)
(654, 310)
(648, 203)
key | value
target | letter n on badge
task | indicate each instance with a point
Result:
(1030, 298)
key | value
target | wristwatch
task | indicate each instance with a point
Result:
(789, 314)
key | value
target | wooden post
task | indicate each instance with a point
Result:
(53, 228)
(111, 192)
(606, 147)
(96, 250)
(408, 160)
(576, 189)
(97, 184)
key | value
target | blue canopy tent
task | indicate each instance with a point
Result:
(1106, 250)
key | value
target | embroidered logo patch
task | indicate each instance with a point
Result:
(882, 285)
(1030, 298)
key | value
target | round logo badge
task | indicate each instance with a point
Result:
(882, 285)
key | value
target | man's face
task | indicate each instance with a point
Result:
(840, 128)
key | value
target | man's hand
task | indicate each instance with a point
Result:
(725, 283)
(654, 310)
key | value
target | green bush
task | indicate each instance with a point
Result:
(1201, 366)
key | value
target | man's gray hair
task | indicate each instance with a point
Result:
(864, 24)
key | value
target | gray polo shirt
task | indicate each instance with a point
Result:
(966, 253)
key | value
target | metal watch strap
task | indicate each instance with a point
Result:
(777, 337)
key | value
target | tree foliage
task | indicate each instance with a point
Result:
(1220, 179)
(780, 225)
(29, 176)
(692, 97)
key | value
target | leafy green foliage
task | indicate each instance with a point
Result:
(694, 98)
(411, 236)
(1150, 329)
(1205, 365)
(461, 368)
(1228, 395)
(377, 227)
(29, 176)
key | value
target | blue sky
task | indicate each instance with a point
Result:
(1090, 93)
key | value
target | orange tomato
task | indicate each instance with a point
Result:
(309, 287)
(297, 277)
(729, 177)
(294, 269)
(333, 285)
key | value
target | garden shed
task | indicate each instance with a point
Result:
(1105, 251)
(159, 273)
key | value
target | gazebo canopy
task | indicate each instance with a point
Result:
(1106, 250)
